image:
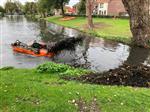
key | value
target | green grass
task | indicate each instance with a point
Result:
(108, 28)
(24, 90)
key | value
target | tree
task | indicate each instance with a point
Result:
(10, 7)
(19, 7)
(2, 9)
(44, 7)
(137, 56)
(59, 4)
(89, 10)
(81, 6)
(30, 8)
(139, 12)
(13, 7)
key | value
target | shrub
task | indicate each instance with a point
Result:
(61, 69)
(7, 68)
(52, 68)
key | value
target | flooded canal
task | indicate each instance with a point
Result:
(93, 53)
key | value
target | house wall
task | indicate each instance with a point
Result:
(112, 7)
(103, 10)
(115, 7)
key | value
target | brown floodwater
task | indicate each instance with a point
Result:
(92, 53)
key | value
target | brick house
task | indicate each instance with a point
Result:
(109, 7)
(70, 10)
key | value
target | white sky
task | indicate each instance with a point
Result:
(72, 2)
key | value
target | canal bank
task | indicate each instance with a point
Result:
(106, 28)
(43, 90)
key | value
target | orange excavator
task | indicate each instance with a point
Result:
(39, 49)
(35, 49)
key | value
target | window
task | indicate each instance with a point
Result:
(102, 5)
(104, 12)
(96, 7)
(100, 12)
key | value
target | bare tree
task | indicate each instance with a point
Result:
(89, 11)
(139, 12)
(59, 4)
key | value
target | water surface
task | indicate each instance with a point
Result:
(92, 53)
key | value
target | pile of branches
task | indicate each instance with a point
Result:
(68, 44)
(127, 75)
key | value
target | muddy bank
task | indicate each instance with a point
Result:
(135, 76)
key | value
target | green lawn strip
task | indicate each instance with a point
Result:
(24, 90)
(108, 28)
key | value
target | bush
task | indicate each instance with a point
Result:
(7, 68)
(52, 68)
(61, 69)
(101, 16)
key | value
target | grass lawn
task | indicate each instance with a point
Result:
(26, 90)
(108, 28)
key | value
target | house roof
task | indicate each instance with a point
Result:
(102, 1)
(70, 9)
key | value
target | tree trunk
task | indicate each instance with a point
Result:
(89, 10)
(137, 56)
(41, 15)
(44, 14)
(139, 12)
(62, 8)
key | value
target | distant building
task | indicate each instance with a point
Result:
(70, 10)
(110, 7)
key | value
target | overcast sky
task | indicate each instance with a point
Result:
(72, 2)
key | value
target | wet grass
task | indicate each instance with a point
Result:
(108, 28)
(28, 90)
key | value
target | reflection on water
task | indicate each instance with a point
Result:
(138, 55)
(92, 53)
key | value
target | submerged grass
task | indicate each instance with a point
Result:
(108, 28)
(24, 90)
